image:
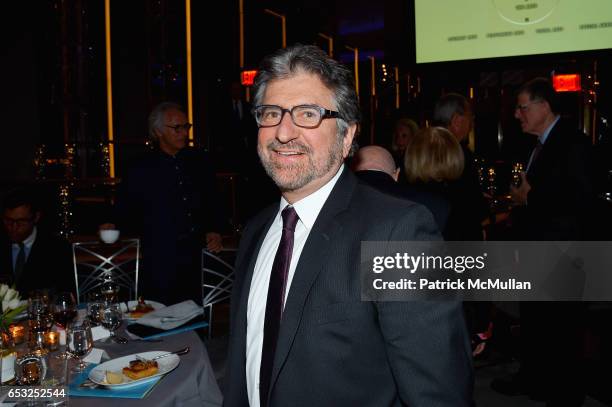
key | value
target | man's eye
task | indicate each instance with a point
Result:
(270, 114)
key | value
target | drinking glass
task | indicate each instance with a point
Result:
(95, 301)
(110, 317)
(64, 309)
(79, 342)
(64, 312)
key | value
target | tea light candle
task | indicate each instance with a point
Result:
(52, 340)
(17, 333)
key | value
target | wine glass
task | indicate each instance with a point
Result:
(109, 289)
(79, 342)
(110, 316)
(64, 311)
(95, 300)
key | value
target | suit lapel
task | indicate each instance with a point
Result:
(314, 255)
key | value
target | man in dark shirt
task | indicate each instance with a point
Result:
(169, 199)
(30, 258)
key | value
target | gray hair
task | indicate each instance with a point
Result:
(156, 117)
(448, 105)
(290, 61)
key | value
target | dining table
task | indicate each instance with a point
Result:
(191, 383)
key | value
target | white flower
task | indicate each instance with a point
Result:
(14, 303)
(3, 289)
(10, 294)
(5, 304)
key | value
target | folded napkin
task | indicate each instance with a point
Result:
(172, 316)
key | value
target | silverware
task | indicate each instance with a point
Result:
(88, 384)
(179, 352)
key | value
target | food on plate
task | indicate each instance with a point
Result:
(114, 377)
(140, 368)
(141, 308)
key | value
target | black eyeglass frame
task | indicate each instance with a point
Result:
(324, 114)
(186, 127)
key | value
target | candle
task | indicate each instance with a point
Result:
(52, 340)
(17, 333)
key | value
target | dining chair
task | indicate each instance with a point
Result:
(96, 263)
(217, 281)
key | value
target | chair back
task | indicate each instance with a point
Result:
(96, 262)
(217, 281)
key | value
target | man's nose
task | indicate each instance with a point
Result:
(286, 130)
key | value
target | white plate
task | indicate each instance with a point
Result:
(132, 304)
(165, 365)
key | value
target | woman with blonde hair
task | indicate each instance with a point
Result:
(403, 131)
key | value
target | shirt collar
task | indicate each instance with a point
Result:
(542, 139)
(29, 241)
(308, 208)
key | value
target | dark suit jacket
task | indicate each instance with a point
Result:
(436, 203)
(336, 350)
(49, 265)
(468, 205)
(561, 196)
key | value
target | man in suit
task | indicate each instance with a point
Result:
(31, 258)
(469, 208)
(169, 198)
(375, 166)
(552, 203)
(301, 336)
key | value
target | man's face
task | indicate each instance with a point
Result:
(172, 140)
(533, 114)
(300, 160)
(462, 124)
(19, 223)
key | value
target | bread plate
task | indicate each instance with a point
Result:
(165, 365)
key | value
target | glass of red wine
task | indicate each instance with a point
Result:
(64, 312)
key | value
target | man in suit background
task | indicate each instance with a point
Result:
(375, 166)
(169, 199)
(301, 336)
(469, 208)
(32, 258)
(552, 203)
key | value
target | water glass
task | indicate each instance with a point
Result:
(79, 342)
(110, 317)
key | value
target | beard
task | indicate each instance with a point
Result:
(293, 176)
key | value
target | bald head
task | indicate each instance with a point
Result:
(375, 158)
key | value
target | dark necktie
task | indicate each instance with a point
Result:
(20, 261)
(274, 303)
(534, 154)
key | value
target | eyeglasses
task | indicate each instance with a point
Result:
(525, 107)
(17, 222)
(186, 127)
(306, 116)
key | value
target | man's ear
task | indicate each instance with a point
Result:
(395, 174)
(36, 217)
(347, 142)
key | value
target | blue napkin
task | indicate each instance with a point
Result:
(132, 392)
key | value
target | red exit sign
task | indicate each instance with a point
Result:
(567, 83)
(247, 77)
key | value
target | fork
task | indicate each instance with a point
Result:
(183, 351)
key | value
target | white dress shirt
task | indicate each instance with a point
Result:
(307, 209)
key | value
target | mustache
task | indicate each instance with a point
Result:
(292, 145)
